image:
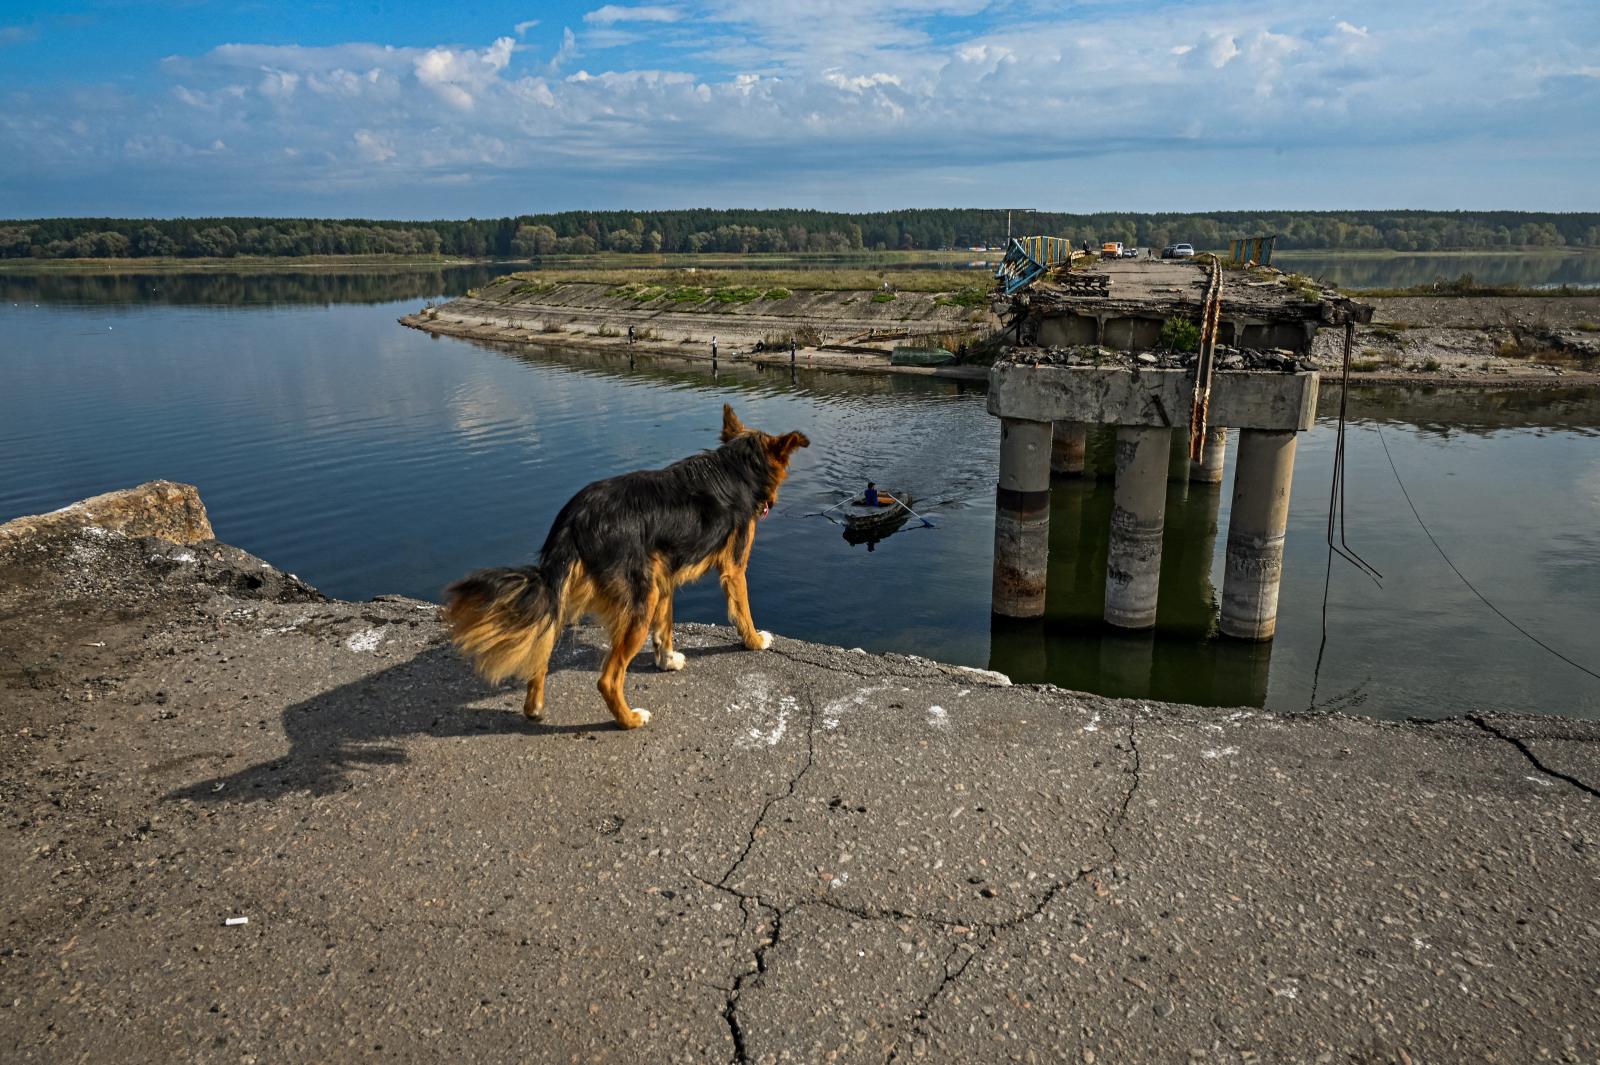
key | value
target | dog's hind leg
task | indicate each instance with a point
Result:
(661, 631)
(533, 703)
(629, 626)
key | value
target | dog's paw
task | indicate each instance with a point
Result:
(642, 715)
(673, 661)
(533, 714)
(763, 641)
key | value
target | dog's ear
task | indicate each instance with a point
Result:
(731, 425)
(781, 447)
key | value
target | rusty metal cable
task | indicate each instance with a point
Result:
(1336, 511)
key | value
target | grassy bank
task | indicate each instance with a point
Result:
(743, 286)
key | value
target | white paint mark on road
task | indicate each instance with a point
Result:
(1543, 783)
(1219, 752)
(365, 640)
(755, 697)
(938, 717)
(833, 711)
(1093, 725)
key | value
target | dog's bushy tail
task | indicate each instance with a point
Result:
(507, 620)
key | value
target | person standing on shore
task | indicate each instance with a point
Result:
(630, 336)
(713, 349)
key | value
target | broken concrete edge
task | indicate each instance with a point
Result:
(166, 510)
(1240, 399)
(233, 574)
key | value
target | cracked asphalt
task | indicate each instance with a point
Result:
(810, 854)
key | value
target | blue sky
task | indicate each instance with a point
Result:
(393, 109)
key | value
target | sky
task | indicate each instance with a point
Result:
(408, 110)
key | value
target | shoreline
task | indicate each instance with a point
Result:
(1488, 342)
(221, 781)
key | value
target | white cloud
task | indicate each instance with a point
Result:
(566, 53)
(753, 82)
(614, 13)
(371, 147)
(524, 26)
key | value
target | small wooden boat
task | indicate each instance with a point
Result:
(865, 521)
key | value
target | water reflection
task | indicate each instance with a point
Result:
(248, 288)
(1532, 270)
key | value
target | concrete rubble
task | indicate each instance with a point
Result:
(810, 854)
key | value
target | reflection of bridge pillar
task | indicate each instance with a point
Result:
(1133, 560)
(1022, 519)
(1127, 660)
(1209, 469)
(1017, 648)
(1067, 448)
(1262, 477)
(1240, 672)
(1188, 599)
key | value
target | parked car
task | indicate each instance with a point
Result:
(1130, 253)
(1111, 249)
(1178, 251)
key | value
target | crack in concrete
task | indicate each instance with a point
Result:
(758, 966)
(794, 783)
(1532, 758)
(993, 930)
(987, 931)
(1116, 823)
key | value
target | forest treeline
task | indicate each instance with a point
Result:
(747, 231)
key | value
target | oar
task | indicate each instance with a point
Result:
(926, 524)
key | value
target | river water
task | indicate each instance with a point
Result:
(369, 458)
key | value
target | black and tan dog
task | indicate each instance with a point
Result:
(619, 550)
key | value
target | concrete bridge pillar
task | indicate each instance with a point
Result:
(1022, 518)
(1257, 524)
(1068, 448)
(1133, 561)
(1209, 469)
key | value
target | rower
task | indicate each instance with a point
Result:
(871, 497)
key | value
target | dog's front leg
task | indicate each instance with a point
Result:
(738, 593)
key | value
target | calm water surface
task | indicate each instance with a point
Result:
(1354, 270)
(369, 458)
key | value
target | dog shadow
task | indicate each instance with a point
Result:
(336, 734)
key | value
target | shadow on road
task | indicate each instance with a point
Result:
(338, 732)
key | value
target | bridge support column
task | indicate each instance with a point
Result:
(1257, 524)
(1209, 469)
(1139, 508)
(1022, 518)
(1068, 448)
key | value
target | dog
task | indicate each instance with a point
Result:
(619, 550)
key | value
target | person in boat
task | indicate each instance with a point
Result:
(871, 497)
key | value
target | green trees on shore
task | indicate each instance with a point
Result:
(754, 231)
